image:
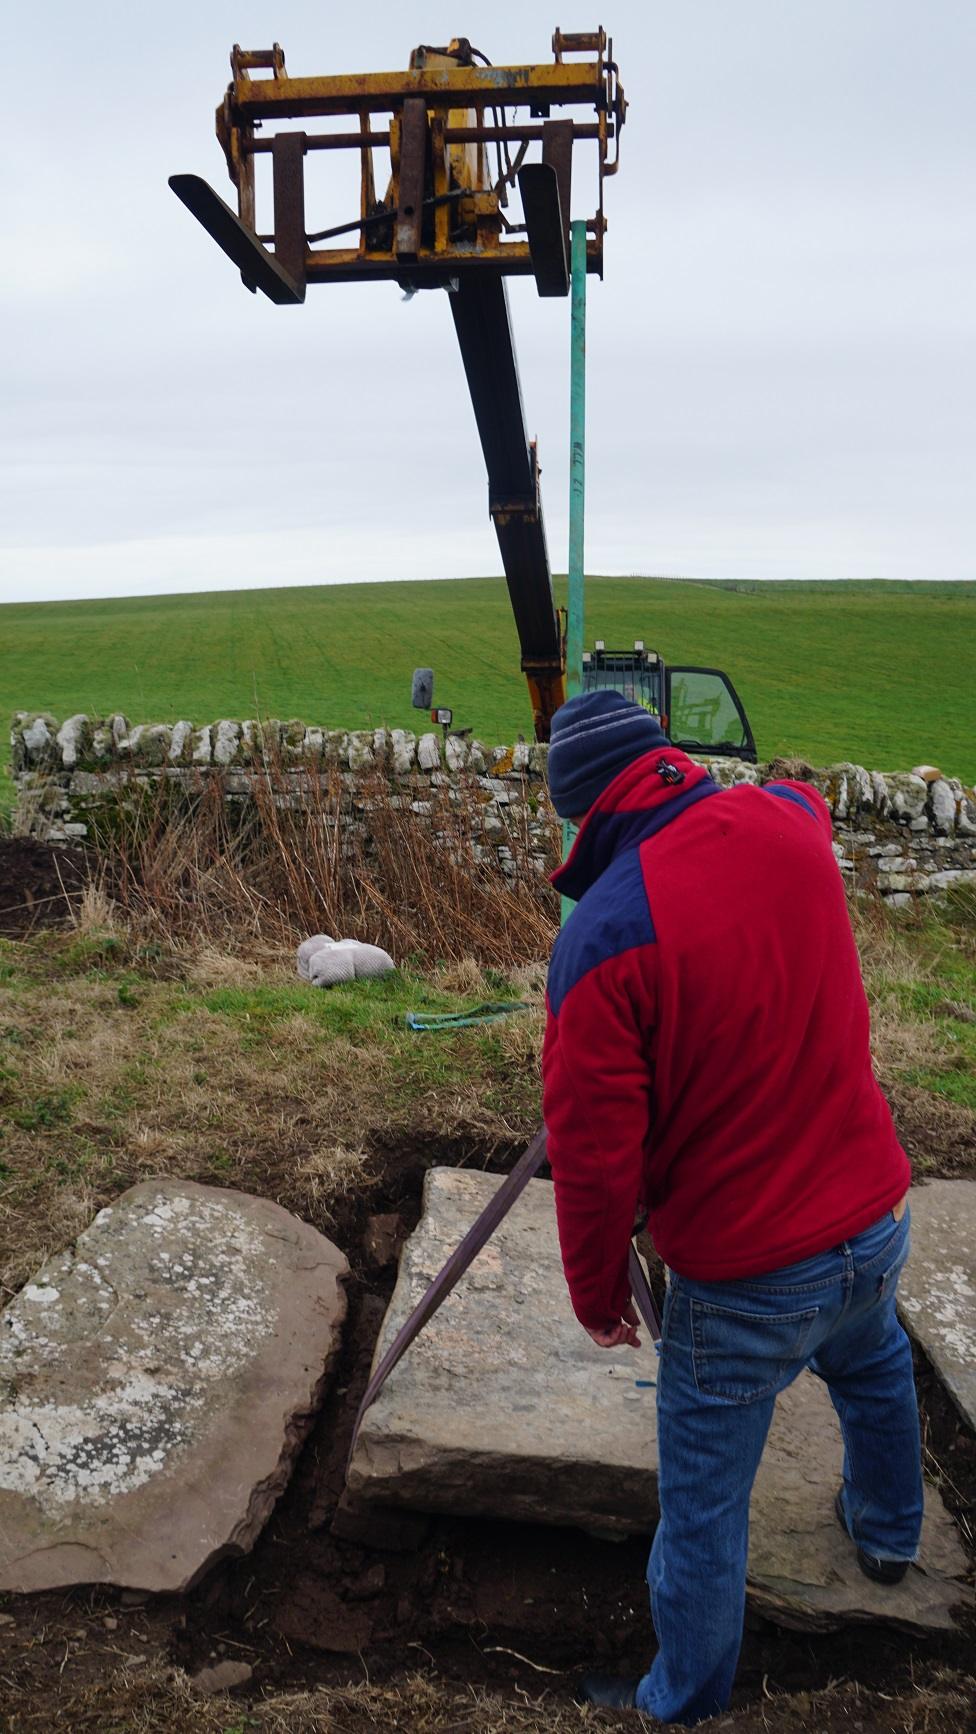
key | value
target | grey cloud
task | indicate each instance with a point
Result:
(782, 368)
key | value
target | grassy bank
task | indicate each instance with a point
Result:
(124, 1058)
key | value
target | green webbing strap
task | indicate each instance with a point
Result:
(482, 1014)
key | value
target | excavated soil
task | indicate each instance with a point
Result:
(39, 884)
(331, 1596)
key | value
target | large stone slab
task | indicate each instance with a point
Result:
(937, 1292)
(156, 1381)
(503, 1407)
(803, 1571)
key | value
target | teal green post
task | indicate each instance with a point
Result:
(577, 476)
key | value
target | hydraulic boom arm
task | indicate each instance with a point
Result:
(441, 223)
(480, 309)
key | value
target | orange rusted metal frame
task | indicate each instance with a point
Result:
(468, 230)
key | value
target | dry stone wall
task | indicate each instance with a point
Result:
(908, 833)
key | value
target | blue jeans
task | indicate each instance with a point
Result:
(727, 1349)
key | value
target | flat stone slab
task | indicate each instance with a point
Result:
(503, 1407)
(937, 1292)
(156, 1382)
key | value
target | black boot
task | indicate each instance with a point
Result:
(886, 1571)
(609, 1691)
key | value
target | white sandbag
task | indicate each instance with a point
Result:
(331, 964)
(307, 950)
(372, 960)
(324, 961)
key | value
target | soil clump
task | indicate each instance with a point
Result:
(40, 884)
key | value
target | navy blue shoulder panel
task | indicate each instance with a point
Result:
(789, 795)
(612, 917)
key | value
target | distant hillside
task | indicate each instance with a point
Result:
(876, 671)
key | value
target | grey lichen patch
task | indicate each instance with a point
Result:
(177, 1293)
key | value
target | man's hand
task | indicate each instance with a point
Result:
(624, 1331)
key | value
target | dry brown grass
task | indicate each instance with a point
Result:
(295, 858)
(154, 1699)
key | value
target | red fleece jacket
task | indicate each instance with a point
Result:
(707, 1045)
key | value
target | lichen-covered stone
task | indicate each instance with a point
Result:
(260, 741)
(180, 743)
(74, 740)
(360, 752)
(149, 744)
(722, 772)
(404, 751)
(429, 753)
(947, 877)
(226, 743)
(38, 734)
(879, 789)
(852, 789)
(200, 746)
(908, 795)
(292, 735)
(965, 809)
(156, 1380)
(942, 801)
(898, 882)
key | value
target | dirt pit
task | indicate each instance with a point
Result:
(40, 884)
(335, 1598)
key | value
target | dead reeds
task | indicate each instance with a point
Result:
(303, 851)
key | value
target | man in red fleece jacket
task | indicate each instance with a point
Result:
(707, 1063)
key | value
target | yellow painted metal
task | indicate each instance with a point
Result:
(450, 86)
(457, 94)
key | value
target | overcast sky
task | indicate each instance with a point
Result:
(782, 368)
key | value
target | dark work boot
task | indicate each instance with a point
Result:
(886, 1571)
(609, 1691)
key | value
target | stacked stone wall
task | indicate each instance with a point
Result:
(908, 833)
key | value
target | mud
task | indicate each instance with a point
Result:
(40, 884)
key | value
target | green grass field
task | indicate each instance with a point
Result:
(878, 672)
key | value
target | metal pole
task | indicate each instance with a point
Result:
(577, 475)
(577, 467)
